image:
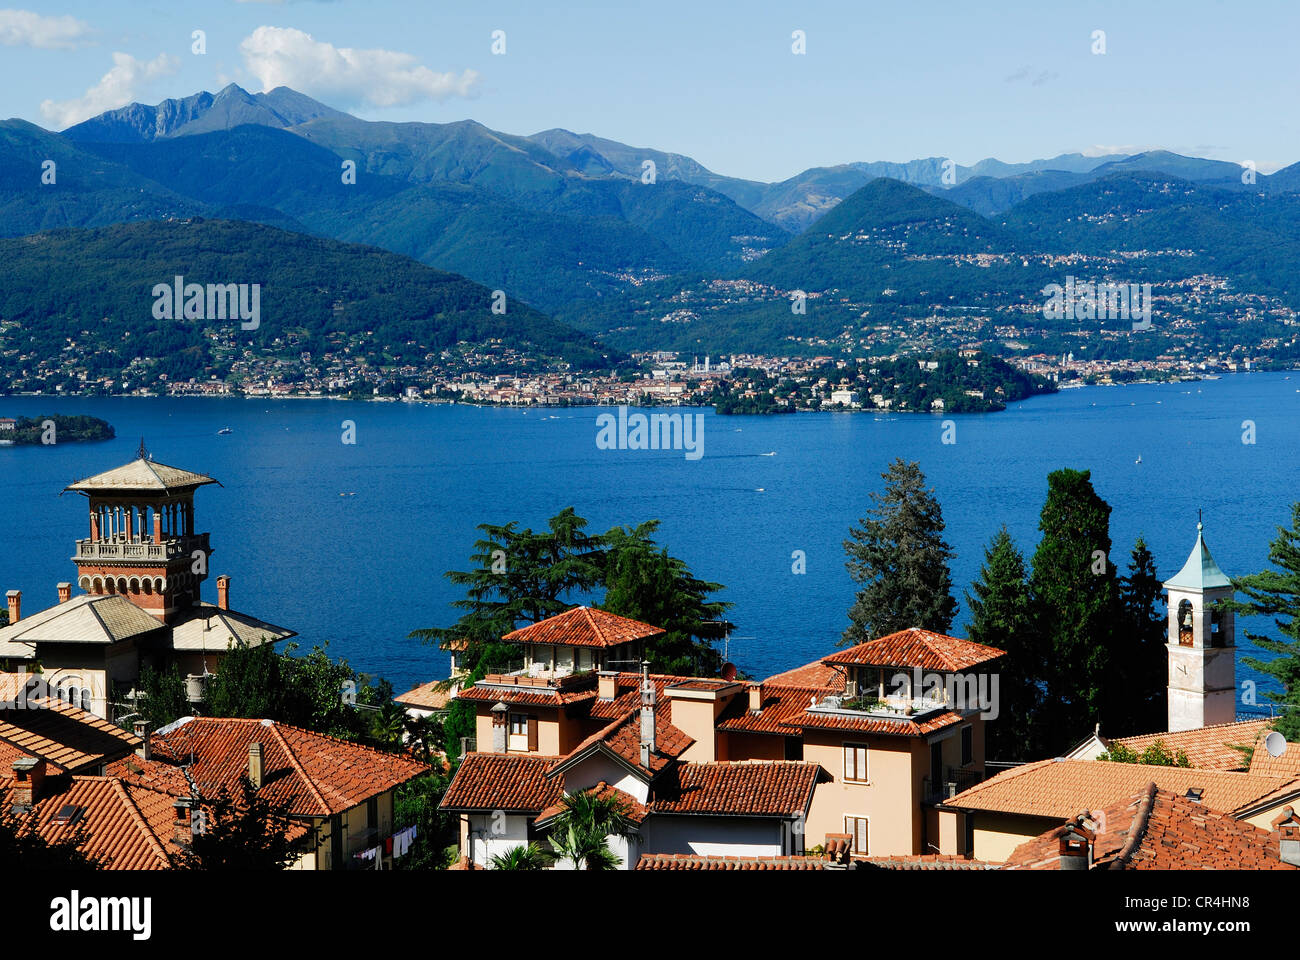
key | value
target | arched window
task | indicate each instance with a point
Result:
(1185, 630)
(84, 584)
(1216, 627)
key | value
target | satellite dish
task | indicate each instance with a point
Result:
(1275, 744)
(728, 671)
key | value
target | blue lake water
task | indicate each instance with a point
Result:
(360, 572)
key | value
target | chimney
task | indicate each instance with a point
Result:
(647, 714)
(500, 714)
(607, 685)
(756, 698)
(65, 592)
(255, 765)
(1288, 836)
(142, 731)
(15, 598)
(1076, 847)
(223, 592)
(29, 774)
(182, 828)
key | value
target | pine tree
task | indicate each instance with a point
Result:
(1075, 606)
(643, 582)
(1002, 616)
(900, 556)
(1143, 673)
(1276, 593)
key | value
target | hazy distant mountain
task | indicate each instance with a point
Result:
(862, 243)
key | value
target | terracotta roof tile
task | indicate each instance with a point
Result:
(123, 828)
(1266, 765)
(1156, 829)
(427, 696)
(623, 739)
(1061, 788)
(782, 710)
(743, 789)
(915, 647)
(584, 627)
(1207, 748)
(815, 674)
(815, 720)
(634, 811)
(503, 781)
(318, 775)
(71, 738)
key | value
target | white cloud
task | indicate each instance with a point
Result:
(283, 57)
(115, 89)
(22, 28)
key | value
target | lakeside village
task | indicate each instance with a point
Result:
(967, 380)
(875, 756)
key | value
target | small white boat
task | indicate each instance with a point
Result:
(223, 431)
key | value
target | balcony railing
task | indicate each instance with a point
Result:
(537, 679)
(889, 708)
(128, 550)
(955, 780)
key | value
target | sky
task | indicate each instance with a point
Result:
(718, 81)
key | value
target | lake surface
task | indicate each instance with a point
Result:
(361, 571)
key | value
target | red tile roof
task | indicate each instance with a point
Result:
(72, 739)
(741, 789)
(634, 811)
(519, 696)
(622, 740)
(815, 674)
(584, 627)
(782, 710)
(915, 647)
(1156, 829)
(1061, 788)
(1207, 748)
(694, 861)
(318, 775)
(816, 720)
(628, 689)
(1264, 764)
(433, 695)
(124, 827)
(514, 782)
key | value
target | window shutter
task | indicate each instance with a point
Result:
(532, 734)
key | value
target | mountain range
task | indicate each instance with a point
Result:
(564, 222)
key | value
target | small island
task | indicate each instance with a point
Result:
(25, 431)
(942, 382)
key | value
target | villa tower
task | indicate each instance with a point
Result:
(143, 544)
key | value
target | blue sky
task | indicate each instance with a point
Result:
(716, 81)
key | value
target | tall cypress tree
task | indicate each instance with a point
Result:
(1140, 698)
(1075, 606)
(900, 557)
(1002, 616)
(1276, 594)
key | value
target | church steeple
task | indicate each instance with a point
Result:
(1202, 652)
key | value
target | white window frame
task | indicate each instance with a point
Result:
(865, 772)
(850, 827)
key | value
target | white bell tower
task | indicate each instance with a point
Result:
(1202, 651)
